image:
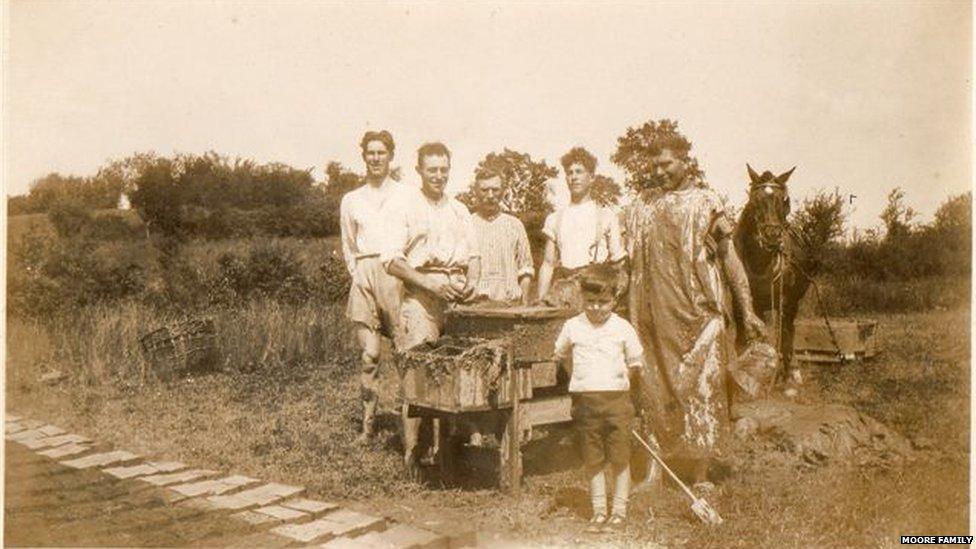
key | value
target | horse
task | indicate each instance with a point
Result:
(775, 259)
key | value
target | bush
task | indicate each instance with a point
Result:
(333, 281)
(846, 296)
(269, 272)
(69, 217)
(46, 276)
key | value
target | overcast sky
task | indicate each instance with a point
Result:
(861, 96)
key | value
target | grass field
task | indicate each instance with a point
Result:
(285, 407)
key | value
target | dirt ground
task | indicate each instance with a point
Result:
(296, 425)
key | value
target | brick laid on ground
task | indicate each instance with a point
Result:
(66, 450)
(259, 519)
(341, 522)
(209, 487)
(39, 432)
(262, 539)
(255, 497)
(143, 469)
(271, 515)
(30, 423)
(58, 440)
(51, 430)
(399, 536)
(100, 460)
(310, 506)
(176, 478)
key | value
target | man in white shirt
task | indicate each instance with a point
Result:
(429, 245)
(374, 297)
(579, 234)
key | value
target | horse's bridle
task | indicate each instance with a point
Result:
(763, 228)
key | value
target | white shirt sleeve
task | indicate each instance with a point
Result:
(347, 229)
(470, 238)
(396, 236)
(615, 246)
(549, 227)
(564, 343)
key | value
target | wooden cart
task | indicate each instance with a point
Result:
(844, 340)
(492, 361)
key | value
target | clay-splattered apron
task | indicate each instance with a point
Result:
(681, 312)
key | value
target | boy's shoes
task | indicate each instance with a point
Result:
(597, 522)
(616, 522)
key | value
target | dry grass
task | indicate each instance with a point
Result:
(285, 407)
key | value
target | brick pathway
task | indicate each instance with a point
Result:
(62, 489)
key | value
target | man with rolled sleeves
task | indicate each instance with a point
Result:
(430, 246)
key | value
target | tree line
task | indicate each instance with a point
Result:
(211, 196)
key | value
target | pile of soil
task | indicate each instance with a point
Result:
(819, 434)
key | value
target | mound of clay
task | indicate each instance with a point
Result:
(819, 434)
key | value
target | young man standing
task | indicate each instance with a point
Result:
(374, 298)
(506, 260)
(429, 245)
(580, 234)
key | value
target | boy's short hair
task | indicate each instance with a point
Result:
(599, 279)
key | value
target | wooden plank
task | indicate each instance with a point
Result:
(501, 311)
(511, 449)
(548, 410)
(544, 374)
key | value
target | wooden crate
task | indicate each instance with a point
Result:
(532, 330)
(855, 340)
(463, 375)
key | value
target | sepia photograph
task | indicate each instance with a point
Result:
(432, 274)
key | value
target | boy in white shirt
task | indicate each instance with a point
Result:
(606, 354)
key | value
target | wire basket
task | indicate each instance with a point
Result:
(181, 347)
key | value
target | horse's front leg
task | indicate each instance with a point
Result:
(791, 371)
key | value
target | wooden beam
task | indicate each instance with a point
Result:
(544, 411)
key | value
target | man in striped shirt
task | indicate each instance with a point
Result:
(506, 260)
(374, 298)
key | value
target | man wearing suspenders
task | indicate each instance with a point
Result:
(578, 234)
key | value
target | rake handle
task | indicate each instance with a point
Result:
(665, 465)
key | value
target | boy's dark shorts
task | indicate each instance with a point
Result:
(603, 421)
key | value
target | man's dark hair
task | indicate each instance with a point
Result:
(382, 136)
(432, 149)
(579, 155)
(673, 141)
(598, 279)
(486, 173)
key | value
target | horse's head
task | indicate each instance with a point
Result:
(768, 206)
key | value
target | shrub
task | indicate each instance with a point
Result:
(69, 217)
(333, 281)
(269, 271)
